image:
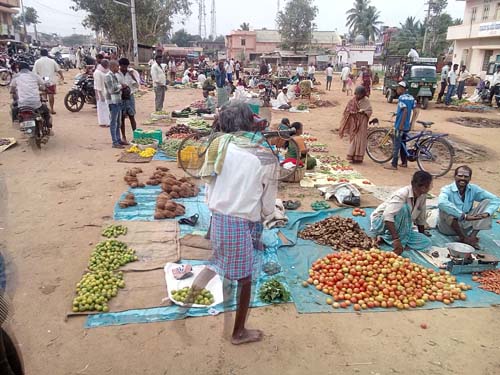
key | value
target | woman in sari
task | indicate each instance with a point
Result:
(366, 80)
(355, 124)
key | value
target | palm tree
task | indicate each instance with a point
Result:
(245, 26)
(371, 23)
(355, 16)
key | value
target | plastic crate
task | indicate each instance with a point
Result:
(155, 134)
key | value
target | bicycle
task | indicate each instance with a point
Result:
(432, 151)
(192, 150)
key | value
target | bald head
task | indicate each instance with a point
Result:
(114, 66)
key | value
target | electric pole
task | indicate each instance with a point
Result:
(134, 28)
(430, 5)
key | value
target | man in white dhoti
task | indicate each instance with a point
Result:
(100, 93)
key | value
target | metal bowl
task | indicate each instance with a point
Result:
(459, 250)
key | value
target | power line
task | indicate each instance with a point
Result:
(53, 9)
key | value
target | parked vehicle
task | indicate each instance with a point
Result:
(32, 123)
(420, 77)
(81, 93)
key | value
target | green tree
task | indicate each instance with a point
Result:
(364, 19)
(30, 18)
(410, 35)
(245, 26)
(154, 19)
(295, 23)
(183, 39)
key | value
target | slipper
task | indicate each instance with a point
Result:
(190, 220)
(182, 272)
(291, 205)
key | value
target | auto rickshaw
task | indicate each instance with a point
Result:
(420, 77)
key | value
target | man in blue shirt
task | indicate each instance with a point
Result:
(406, 115)
(457, 216)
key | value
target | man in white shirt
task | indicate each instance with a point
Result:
(46, 69)
(463, 76)
(300, 71)
(344, 76)
(494, 89)
(413, 54)
(242, 187)
(129, 78)
(329, 77)
(444, 80)
(310, 71)
(201, 78)
(282, 99)
(230, 70)
(452, 83)
(159, 83)
(103, 115)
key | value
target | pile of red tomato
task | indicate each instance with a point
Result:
(376, 278)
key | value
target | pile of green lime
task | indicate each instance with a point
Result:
(95, 289)
(190, 295)
(110, 255)
(113, 231)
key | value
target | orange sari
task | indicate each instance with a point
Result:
(355, 124)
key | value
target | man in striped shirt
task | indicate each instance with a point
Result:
(114, 99)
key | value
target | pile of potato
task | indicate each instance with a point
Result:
(158, 176)
(178, 188)
(167, 208)
(129, 201)
(131, 178)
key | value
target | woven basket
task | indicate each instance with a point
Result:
(297, 176)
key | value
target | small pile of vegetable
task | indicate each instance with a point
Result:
(171, 146)
(191, 295)
(198, 124)
(302, 107)
(95, 289)
(177, 130)
(338, 232)
(489, 280)
(274, 291)
(144, 141)
(110, 255)
(114, 231)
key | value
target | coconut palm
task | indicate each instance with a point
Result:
(364, 19)
(245, 26)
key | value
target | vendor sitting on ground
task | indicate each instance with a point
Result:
(304, 156)
(284, 124)
(282, 100)
(393, 220)
(209, 104)
(186, 79)
(457, 216)
(209, 84)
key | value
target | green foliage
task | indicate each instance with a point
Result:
(154, 18)
(245, 26)
(295, 23)
(411, 34)
(363, 19)
(274, 291)
(183, 39)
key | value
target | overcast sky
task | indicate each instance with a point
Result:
(57, 17)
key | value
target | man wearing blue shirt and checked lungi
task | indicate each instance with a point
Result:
(457, 214)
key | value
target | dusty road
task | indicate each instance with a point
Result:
(53, 202)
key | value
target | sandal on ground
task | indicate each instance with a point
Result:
(291, 205)
(192, 220)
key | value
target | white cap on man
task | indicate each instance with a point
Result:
(402, 84)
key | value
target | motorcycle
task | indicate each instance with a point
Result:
(81, 93)
(267, 91)
(61, 61)
(32, 123)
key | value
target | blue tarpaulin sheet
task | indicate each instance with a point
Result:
(160, 155)
(297, 259)
(146, 203)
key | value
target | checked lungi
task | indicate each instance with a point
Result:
(233, 242)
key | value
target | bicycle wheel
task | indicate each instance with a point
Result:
(191, 153)
(435, 155)
(380, 145)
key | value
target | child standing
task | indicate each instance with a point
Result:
(349, 84)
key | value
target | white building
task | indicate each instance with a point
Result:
(359, 53)
(477, 40)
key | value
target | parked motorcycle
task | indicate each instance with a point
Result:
(81, 93)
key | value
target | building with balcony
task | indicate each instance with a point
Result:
(477, 39)
(251, 45)
(7, 11)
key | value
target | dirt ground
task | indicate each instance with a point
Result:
(54, 201)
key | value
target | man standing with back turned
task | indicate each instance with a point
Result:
(159, 83)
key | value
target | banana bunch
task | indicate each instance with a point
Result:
(147, 153)
(135, 149)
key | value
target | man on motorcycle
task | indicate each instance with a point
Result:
(46, 69)
(25, 89)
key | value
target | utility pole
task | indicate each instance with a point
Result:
(134, 28)
(213, 21)
(427, 21)
(24, 21)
